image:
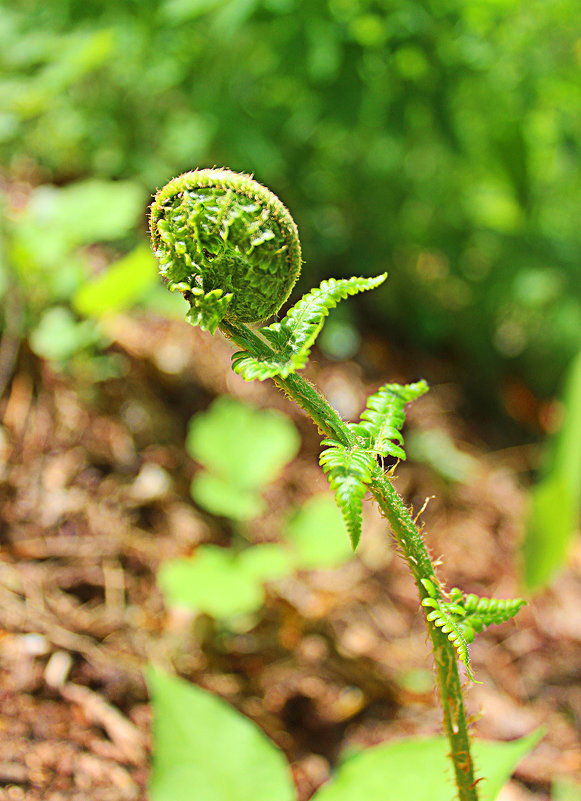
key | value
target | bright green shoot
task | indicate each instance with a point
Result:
(241, 449)
(231, 248)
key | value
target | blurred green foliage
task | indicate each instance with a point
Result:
(222, 583)
(437, 139)
(243, 449)
(554, 503)
(201, 741)
(55, 243)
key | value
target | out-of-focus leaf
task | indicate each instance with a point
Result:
(207, 751)
(265, 562)
(223, 498)
(123, 285)
(317, 534)
(59, 336)
(437, 449)
(181, 10)
(86, 211)
(242, 445)
(221, 583)
(77, 54)
(417, 769)
(554, 503)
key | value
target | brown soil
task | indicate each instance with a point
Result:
(94, 485)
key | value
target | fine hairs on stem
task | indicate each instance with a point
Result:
(232, 249)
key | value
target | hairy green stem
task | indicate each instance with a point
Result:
(412, 545)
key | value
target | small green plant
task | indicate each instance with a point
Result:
(242, 449)
(231, 248)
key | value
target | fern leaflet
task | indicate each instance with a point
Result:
(348, 472)
(293, 337)
(479, 613)
(462, 616)
(443, 617)
(384, 416)
(207, 309)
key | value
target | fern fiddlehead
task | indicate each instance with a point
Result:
(227, 243)
(230, 246)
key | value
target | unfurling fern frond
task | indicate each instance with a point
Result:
(479, 613)
(293, 337)
(215, 229)
(382, 420)
(207, 309)
(348, 472)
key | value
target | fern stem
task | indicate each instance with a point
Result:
(450, 688)
(411, 542)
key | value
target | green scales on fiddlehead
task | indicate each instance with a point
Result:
(227, 243)
(463, 615)
(350, 469)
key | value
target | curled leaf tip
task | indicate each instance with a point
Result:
(214, 229)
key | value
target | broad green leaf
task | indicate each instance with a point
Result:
(418, 769)
(220, 497)
(554, 503)
(266, 562)
(221, 583)
(317, 535)
(550, 525)
(244, 446)
(120, 287)
(204, 750)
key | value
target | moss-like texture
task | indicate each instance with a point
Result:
(216, 229)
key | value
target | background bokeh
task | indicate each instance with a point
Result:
(437, 140)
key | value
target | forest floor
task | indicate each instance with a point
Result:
(95, 496)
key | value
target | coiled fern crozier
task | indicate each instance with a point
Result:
(232, 249)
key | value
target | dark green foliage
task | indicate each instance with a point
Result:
(293, 337)
(216, 231)
(439, 141)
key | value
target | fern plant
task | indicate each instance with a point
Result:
(231, 248)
